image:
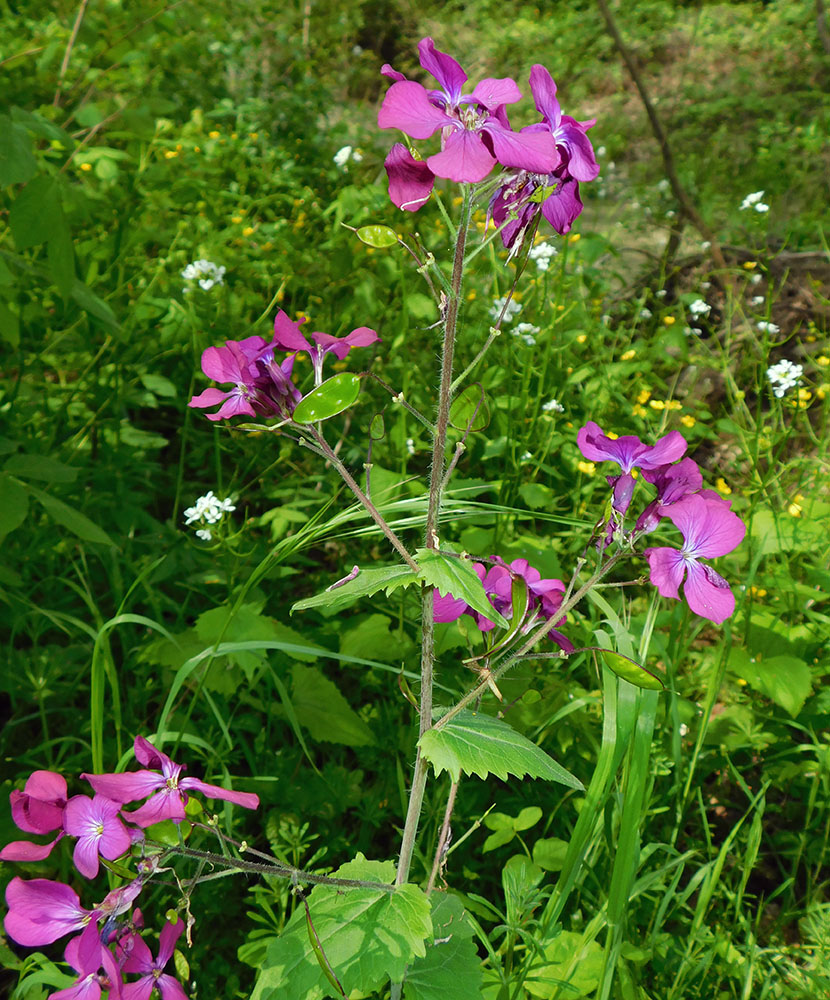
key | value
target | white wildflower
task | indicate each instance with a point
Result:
(758, 300)
(343, 155)
(410, 446)
(705, 245)
(766, 327)
(761, 207)
(205, 272)
(205, 534)
(700, 308)
(663, 185)
(541, 255)
(526, 456)
(784, 376)
(756, 279)
(706, 285)
(752, 200)
(645, 313)
(526, 330)
(660, 293)
(208, 510)
(553, 406)
(513, 309)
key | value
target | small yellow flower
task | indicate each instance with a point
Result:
(822, 390)
(795, 508)
(657, 404)
(471, 295)
(804, 394)
(214, 134)
(171, 154)
(643, 396)
(613, 435)
(253, 135)
(750, 265)
(236, 219)
(638, 411)
(581, 338)
(248, 231)
(574, 237)
(234, 135)
(587, 467)
(757, 591)
(741, 682)
(674, 404)
(629, 354)
(810, 338)
(179, 146)
(688, 420)
(458, 200)
(86, 166)
(669, 320)
(722, 486)
(823, 360)
(268, 245)
(197, 149)
(560, 308)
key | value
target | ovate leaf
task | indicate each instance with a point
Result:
(368, 936)
(481, 744)
(36, 212)
(451, 968)
(364, 584)
(377, 236)
(784, 679)
(17, 161)
(469, 410)
(79, 524)
(324, 712)
(456, 576)
(40, 467)
(327, 400)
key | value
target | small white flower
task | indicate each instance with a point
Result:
(541, 255)
(784, 376)
(526, 456)
(761, 207)
(756, 279)
(526, 330)
(601, 151)
(663, 185)
(208, 510)
(342, 157)
(513, 309)
(758, 300)
(205, 272)
(645, 313)
(410, 446)
(671, 214)
(706, 284)
(205, 534)
(766, 327)
(751, 200)
(705, 245)
(700, 308)
(660, 293)
(553, 406)
(684, 729)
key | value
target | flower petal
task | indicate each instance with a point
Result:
(667, 569)
(410, 180)
(41, 911)
(708, 594)
(493, 93)
(563, 206)
(708, 526)
(582, 164)
(529, 149)
(464, 159)
(170, 934)
(167, 804)
(247, 799)
(25, 850)
(544, 95)
(127, 787)
(209, 397)
(447, 608)
(406, 106)
(287, 334)
(445, 70)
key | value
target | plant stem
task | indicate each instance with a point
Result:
(416, 792)
(349, 480)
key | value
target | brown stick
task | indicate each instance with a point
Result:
(76, 27)
(684, 201)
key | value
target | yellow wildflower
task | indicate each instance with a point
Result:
(581, 338)
(643, 396)
(471, 295)
(638, 411)
(171, 154)
(236, 219)
(574, 237)
(674, 404)
(657, 404)
(669, 320)
(823, 360)
(248, 231)
(214, 134)
(613, 435)
(795, 508)
(750, 265)
(757, 591)
(586, 467)
(722, 486)
(688, 420)
(629, 354)
(86, 166)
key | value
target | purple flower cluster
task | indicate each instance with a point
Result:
(41, 911)
(262, 384)
(544, 162)
(544, 598)
(708, 526)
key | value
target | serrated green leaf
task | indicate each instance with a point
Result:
(469, 410)
(327, 400)
(456, 576)
(324, 712)
(480, 744)
(79, 524)
(368, 937)
(40, 467)
(14, 505)
(451, 968)
(17, 161)
(35, 212)
(365, 584)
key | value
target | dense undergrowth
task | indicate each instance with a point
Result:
(180, 133)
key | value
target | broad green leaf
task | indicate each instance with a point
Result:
(40, 467)
(365, 584)
(14, 505)
(95, 306)
(469, 410)
(632, 671)
(549, 853)
(379, 237)
(481, 744)
(784, 679)
(375, 636)
(368, 936)
(455, 575)
(17, 161)
(451, 968)
(324, 712)
(783, 533)
(79, 524)
(327, 400)
(36, 212)
(571, 968)
(159, 384)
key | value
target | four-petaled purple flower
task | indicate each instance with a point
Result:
(37, 809)
(95, 822)
(152, 972)
(41, 911)
(709, 529)
(289, 337)
(168, 790)
(88, 957)
(474, 136)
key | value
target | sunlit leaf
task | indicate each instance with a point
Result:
(327, 400)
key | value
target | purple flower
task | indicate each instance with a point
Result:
(709, 529)
(557, 190)
(37, 809)
(260, 386)
(152, 972)
(167, 791)
(41, 911)
(95, 822)
(673, 482)
(88, 956)
(629, 453)
(410, 180)
(474, 139)
(289, 337)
